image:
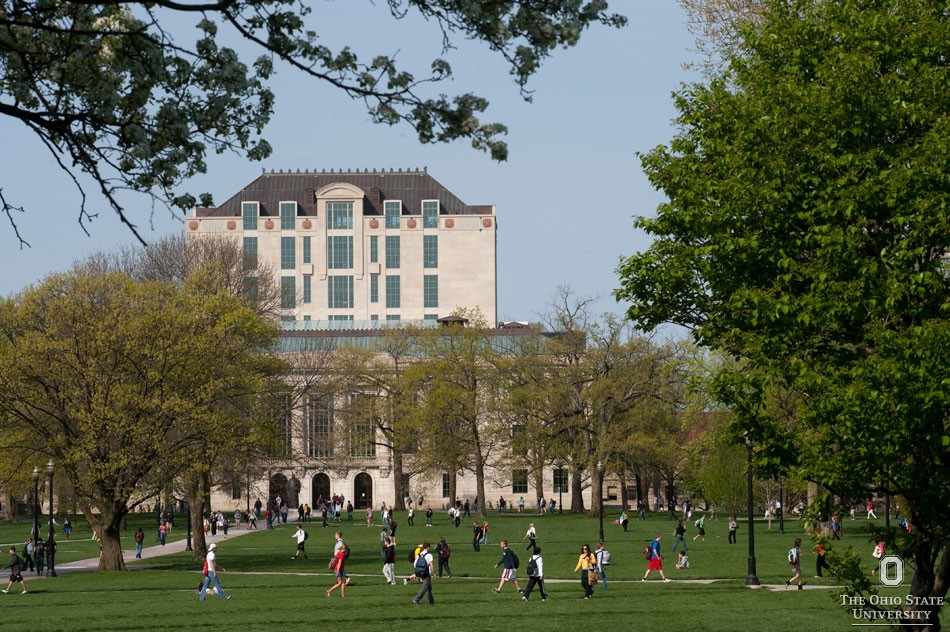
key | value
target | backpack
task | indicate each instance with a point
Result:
(346, 552)
(533, 566)
(305, 536)
(421, 567)
(446, 551)
(605, 558)
(514, 557)
(647, 553)
(793, 556)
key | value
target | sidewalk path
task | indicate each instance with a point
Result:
(148, 552)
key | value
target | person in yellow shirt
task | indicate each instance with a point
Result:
(587, 564)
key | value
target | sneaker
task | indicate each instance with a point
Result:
(5, 591)
(800, 587)
(226, 597)
(524, 599)
(24, 592)
(544, 598)
(494, 590)
(787, 584)
(347, 582)
(405, 580)
(643, 580)
(415, 603)
(667, 580)
(586, 598)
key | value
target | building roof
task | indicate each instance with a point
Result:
(409, 186)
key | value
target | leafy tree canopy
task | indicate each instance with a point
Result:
(806, 232)
(117, 92)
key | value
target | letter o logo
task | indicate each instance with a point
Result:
(892, 571)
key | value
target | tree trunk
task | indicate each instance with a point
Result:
(196, 511)
(538, 475)
(107, 528)
(453, 486)
(577, 489)
(596, 493)
(624, 496)
(928, 589)
(399, 486)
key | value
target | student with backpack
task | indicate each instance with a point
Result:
(509, 562)
(301, 536)
(444, 552)
(422, 568)
(602, 556)
(795, 559)
(535, 576)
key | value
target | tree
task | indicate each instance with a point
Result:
(125, 383)
(718, 26)
(118, 97)
(806, 233)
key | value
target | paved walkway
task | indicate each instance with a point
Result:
(148, 552)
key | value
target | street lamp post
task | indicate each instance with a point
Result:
(751, 579)
(50, 542)
(188, 528)
(36, 505)
(600, 476)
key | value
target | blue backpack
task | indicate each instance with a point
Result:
(421, 567)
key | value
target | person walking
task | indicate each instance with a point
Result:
(587, 564)
(392, 526)
(531, 536)
(602, 556)
(476, 536)
(870, 508)
(624, 520)
(369, 516)
(339, 548)
(444, 552)
(163, 532)
(139, 542)
(821, 550)
(16, 570)
(27, 552)
(701, 525)
(680, 533)
(535, 575)
(39, 556)
(641, 510)
(656, 560)
(733, 527)
(67, 527)
(338, 566)
(509, 564)
(301, 537)
(389, 561)
(795, 559)
(423, 569)
(410, 514)
(211, 573)
(428, 516)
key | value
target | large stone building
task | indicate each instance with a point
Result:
(363, 245)
(356, 251)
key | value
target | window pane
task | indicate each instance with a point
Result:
(392, 291)
(430, 251)
(374, 249)
(306, 250)
(393, 210)
(430, 292)
(519, 482)
(340, 292)
(288, 292)
(307, 291)
(249, 211)
(339, 215)
(392, 251)
(288, 253)
(340, 252)
(288, 215)
(374, 288)
(430, 214)
(250, 253)
(319, 427)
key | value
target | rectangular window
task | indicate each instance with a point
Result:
(288, 215)
(519, 481)
(307, 289)
(250, 289)
(430, 214)
(430, 317)
(392, 291)
(341, 318)
(374, 317)
(519, 440)
(430, 290)
(288, 253)
(392, 251)
(250, 253)
(393, 210)
(373, 249)
(306, 250)
(340, 215)
(560, 481)
(340, 292)
(446, 487)
(282, 417)
(393, 318)
(430, 251)
(374, 288)
(363, 429)
(235, 491)
(340, 252)
(288, 292)
(319, 427)
(249, 211)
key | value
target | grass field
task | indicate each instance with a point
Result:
(269, 588)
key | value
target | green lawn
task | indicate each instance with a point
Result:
(268, 587)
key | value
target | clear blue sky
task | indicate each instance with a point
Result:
(565, 198)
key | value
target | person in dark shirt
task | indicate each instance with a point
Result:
(15, 568)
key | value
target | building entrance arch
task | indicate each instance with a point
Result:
(362, 491)
(320, 489)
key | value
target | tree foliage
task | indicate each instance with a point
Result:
(126, 384)
(119, 95)
(805, 233)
